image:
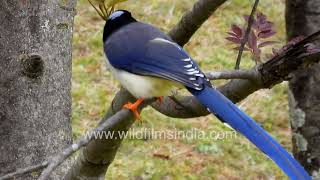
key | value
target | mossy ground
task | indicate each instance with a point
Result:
(93, 89)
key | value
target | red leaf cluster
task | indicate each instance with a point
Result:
(260, 31)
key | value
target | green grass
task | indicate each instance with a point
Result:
(93, 89)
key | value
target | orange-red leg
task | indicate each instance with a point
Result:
(134, 107)
(160, 99)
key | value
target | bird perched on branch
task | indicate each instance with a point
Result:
(149, 64)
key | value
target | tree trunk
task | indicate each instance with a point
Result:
(35, 81)
(303, 18)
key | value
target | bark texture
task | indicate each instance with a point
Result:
(303, 18)
(35, 81)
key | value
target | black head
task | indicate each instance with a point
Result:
(115, 21)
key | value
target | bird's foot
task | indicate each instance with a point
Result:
(134, 108)
(160, 99)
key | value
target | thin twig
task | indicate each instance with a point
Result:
(246, 35)
(26, 170)
(107, 125)
(250, 74)
(55, 161)
(52, 163)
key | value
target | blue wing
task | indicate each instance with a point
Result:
(154, 55)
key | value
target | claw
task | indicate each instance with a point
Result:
(134, 108)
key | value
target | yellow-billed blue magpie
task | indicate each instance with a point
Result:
(149, 64)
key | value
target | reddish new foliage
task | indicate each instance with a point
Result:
(261, 30)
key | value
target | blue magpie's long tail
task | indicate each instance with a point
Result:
(229, 113)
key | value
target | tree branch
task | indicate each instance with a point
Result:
(55, 161)
(52, 163)
(108, 124)
(193, 19)
(246, 35)
(233, 74)
(26, 170)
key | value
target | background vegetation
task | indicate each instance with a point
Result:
(93, 88)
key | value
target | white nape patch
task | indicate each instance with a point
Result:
(115, 15)
(161, 40)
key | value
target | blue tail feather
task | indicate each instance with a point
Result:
(229, 113)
